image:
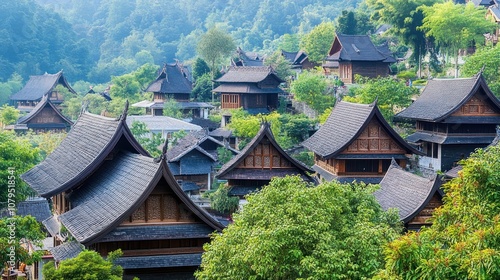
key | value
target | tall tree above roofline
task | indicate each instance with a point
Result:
(317, 42)
(455, 26)
(214, 46)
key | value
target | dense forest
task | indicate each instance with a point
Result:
(95, 39)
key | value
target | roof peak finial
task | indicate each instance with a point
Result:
(374, 103)
(163, 156)
(123, 116)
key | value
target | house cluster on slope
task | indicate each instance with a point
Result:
(107, 192)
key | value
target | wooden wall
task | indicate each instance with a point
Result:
(265, 156)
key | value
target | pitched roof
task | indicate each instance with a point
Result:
(264, 132)
(66, 251)
(44, 103)
(38, 208)
(155, 123)
(173, 78)
(295, 58)
(248, 74)
(89, 142)
(246, 88)
(38, 86)
(345, 123)
(442, 97)
(205, 123)
(405, 191)
(161, 261)
(117, 189)
(192, 141)
(358, 48)
(247, 58)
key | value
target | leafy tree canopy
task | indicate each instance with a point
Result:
(214, 46)
(311, 88)
(463, 241)
(278, 235)
(489, 57)
(392, 95)
(87, 265)
(318, 42)
(26, 230)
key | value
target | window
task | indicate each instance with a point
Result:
(430, 149)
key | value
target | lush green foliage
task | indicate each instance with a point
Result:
(290, 230)
(26, 230)
(224, 155)
(355, 22)
(391, 95)
(200, 68)
(311, 88)
(202, 90)
(222, 202)
(318, 42)
(149, 141)
(13, 85)
(463, 242)
(280, 65)
(214, 46)
(16, 157)
(87, 265)
(171, 108)
(489, 57)
(455, 26)
(8, 115)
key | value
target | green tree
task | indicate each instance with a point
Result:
(200, 68)
(489, 57)
(318, 42)
(311, 88)
(202, 90)
(280, 65)
(405, 18)
(222, 202)
(224, 155)
(149, 141)
(214, 46)
(463, 241)
(25, 231)
(289, 42)
(171, 108)
(392, 95)
(346, 23)
(278, 234)
(87, 265)
(8, 115)
(17, 156)
(455, 26)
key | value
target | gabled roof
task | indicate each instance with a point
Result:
(86, 146)
(248, 74)
(246, 88)
(264, 132)
(115, 191)
(37, 208)
(358, 48)
(44, 103)
(38, 86)
(495, 10)
(173, 78)
(345, 123)
(192, 141)
(66, 251)
(295, 58)
(405, 191)
(247, 58)
(442, 97)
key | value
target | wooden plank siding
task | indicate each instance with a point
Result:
(230, 101)
(476, 106)
(265, 156)
(423, 218)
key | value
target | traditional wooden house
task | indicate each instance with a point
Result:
(193, 159)
(44, 117)
(173, 82)
(110, 195)
(356, 54)
(356, 143)
(414, 196)
(243, 58)
(38, 87)
(255, 89)
(298, 60)
(260, 161)
(493, 14)
(453, 117)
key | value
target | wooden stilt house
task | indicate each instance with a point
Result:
(260, 161)
(356, 143)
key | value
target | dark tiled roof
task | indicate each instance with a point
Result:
(405, 191)
(109, 195)
(44, 103)
(174, 78)
(453, 173)
(345, 123)
(88, 143)
(159, 261)
(52, 226)
(260, 174)
(245, 88)
(358, 48)
(221, 132)
(441, 97)
(248, 74)
(189, 186)
(205, 123)
(66, 251)
(242, 191)
(264, 132)
(495, 10)
(39, 209)
(295, 58)
(421, 136)
(158, 232)
(38, 86)
(327, 176)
